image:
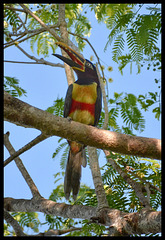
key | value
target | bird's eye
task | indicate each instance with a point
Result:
(89, 65)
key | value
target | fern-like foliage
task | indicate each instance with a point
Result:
(140, 30)
(120, 25)
(48, 13)
(43, 42)
(147, 29)
(118, 47)
(11, 85)
(135, 48)
(12, 18)
(119, 189)
(131, 115)
(57, 108)
(27, 219)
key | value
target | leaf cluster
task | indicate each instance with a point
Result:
(120, 195)
(127, 107)
(151, 99)
(48, 13)
(141, 31)
(11, 85)
(11, 18)
(44, 41)
(57, 108)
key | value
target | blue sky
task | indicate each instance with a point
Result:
(43, 85)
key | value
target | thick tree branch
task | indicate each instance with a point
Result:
(23, 114)
(143, 222)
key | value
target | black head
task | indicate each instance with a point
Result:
(84, 69)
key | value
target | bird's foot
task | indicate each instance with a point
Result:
(69, 119)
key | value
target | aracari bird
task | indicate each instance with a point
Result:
(83, 103)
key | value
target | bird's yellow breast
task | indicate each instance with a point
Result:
(85, 93)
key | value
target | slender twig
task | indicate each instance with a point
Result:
(35, 141)
(21, 167)
(13, 41)
(42, 61)
(14, 9)
(39, 61)
(34, 33)
(8, 61)
(23, 23)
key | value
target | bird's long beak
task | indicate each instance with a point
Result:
(76, 61)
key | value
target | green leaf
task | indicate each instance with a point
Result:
(57, 108)
(150, 102)
(157, 111)
(11, 85)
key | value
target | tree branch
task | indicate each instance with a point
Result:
(106, 118)
(96, 175)
(56, 232)
(39, 61)
(14, 9)
(22, 34)
(35, 141)
(10, 220)
(21, 167)
(64, 37)
(23, 114)
(143, 222)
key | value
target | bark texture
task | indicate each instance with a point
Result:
(120, 223)
(23, 114)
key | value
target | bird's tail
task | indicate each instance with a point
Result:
(73, 173)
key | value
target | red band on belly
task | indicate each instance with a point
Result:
(83, 107)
